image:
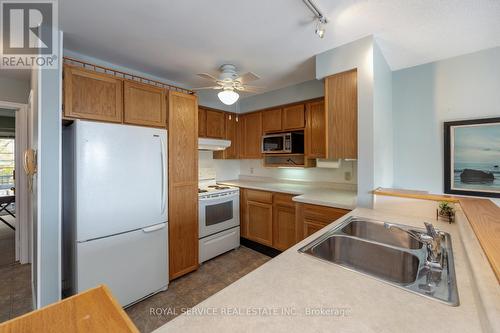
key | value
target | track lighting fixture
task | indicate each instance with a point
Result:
(319, 17)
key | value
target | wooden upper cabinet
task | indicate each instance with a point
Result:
(202, 122)
(92, 95)
(341, 105)
(232, 122)
(315, 140)
(215, 124)
(294, 117)
(183, 183)
(144, 105)
(271, 120)
(251, 135)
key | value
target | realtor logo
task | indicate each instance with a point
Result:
(29, 33)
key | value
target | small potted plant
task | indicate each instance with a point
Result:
(445, 211)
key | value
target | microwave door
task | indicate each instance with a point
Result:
(273, 144)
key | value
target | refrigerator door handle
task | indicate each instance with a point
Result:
(163, 176)
(154, 228)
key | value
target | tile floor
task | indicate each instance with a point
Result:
(15, 291)
(195, 287)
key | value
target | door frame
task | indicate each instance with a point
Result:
(22, 242)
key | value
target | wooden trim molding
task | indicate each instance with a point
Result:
(410, 194)
(484, 218)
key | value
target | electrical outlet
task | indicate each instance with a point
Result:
(347, 175)
(251, 171)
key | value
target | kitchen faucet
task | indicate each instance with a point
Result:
(432, 240)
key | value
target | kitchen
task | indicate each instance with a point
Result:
(292, 198)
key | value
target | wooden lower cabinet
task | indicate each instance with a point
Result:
(260, 222)
(268, 218)
(311, 218)
(284, 235)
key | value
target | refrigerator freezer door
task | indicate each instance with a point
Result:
(121, 178)
(133, 264)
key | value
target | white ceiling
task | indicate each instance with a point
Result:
(176, 39)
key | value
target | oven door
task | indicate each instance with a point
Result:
(274, 144)
(217, 213)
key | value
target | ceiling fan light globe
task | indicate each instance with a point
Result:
(228, 97)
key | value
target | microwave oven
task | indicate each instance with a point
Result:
(283, 143)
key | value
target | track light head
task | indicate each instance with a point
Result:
(320, 27)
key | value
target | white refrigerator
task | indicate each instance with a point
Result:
(115, 209)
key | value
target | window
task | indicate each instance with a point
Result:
(7, 163)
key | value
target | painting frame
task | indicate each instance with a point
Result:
(449, 153)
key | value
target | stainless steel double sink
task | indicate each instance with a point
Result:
(390, 255)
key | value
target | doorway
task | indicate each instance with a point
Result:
(15, 258)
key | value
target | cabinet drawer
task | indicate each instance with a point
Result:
(284, 199)
(322, 214)
(259, 196)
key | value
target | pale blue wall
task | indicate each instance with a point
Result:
(295, 93)
(425, 96)
(13, 90)
(49, 182)
(383, 140)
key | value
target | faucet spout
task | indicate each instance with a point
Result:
(432, 240)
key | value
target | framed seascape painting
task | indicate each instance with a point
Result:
(472, 157)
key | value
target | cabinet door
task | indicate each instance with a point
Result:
(341, 105)
(183, 183)
(294, 117)
(260, 222)
(215, 124)
(311, 218)
(92, 95)
(283, 222)
(232, 134)
(252, 135)
(271, 120)
(144, 105)
(311, 226)
(202, 122)
(315, 136)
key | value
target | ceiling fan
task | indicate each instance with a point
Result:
(230, 82)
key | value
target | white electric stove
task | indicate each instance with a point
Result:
(218, 219)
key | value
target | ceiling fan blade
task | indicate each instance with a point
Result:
(205, 88)
(255, 89)
(248, 77)
(207, 76)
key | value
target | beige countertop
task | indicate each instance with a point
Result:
(316, 194)
(294, 292)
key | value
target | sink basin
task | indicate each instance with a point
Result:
(375, 231)
(389, 255)
(381, 261)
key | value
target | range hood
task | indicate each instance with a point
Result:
(213, 144)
